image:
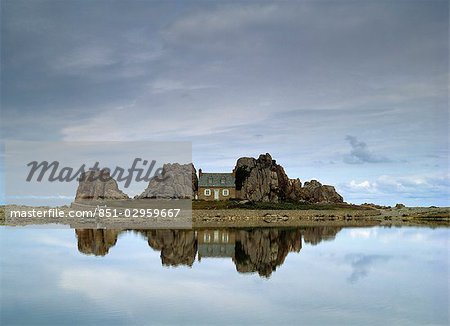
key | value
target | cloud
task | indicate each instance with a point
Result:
(301, 75)
(362, 264)
(168, 85)
(412, 189)
(360, 153)
(222, 20)
(136, 288)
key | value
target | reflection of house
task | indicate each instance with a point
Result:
(215, 243)
(216, 186)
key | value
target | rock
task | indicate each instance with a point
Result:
(259, 179)
(375, 206)
(294, 190)
(176, 181)
(263, 180)
(194, 180)
(271, 218)
(315, 192)
(98, 184)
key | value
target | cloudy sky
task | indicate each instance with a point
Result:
(354, 94)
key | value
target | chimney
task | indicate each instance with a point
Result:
(200, 173)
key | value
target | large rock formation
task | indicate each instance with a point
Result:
(260, 179)
(98, 185)
(175, 181)
(315, 192)
(264, 180)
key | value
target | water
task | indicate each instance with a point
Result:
(321, 275)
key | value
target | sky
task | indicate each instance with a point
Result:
(353, 94)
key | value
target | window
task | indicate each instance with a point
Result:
(206, 237)
(225, 192)
(210, 180)
(207, 192)
(216, 236)
(222, 180)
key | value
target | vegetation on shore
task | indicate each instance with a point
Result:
(2, 215)
(431, 216)
(234, 204)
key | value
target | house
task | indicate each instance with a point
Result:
(216, 186)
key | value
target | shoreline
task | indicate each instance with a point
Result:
(256, 218)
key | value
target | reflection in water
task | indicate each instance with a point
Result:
(96, 242)
(254, 250)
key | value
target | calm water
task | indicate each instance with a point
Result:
(323, 275)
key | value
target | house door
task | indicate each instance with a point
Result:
(216, 194)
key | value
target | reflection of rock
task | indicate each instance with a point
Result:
(178, 247)
(176, 181)
(264, 180)
(262, 250)
(256, 250)
(98, 184)
(96, 242)
(317, 234)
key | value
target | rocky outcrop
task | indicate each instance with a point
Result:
(194, 180)
(98, 185)
(175, 181)
(294, 190)
(314, 192)
(260, 179)
(264, 180)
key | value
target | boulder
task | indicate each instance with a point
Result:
(314, 192)
(294, 190)
(98, 185)
(259, 179)
(176, 181)
(194, 180)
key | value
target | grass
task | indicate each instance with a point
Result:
(233, 204)
(2, 215)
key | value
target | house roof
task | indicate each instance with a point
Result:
(216, 180)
